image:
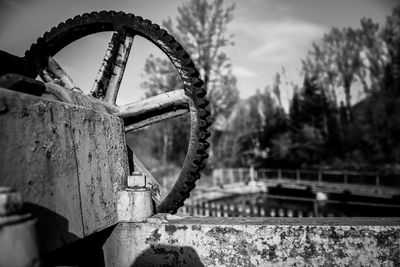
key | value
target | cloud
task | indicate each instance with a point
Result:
(240, 71)
(276, 41)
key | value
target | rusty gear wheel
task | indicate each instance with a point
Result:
(192, 97)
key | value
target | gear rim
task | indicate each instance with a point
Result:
(80, 26)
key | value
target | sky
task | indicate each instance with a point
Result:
(269, 35)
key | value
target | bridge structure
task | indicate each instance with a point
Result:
(248, 192)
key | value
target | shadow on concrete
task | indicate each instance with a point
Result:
(165, 255)
(52, 228)
(64, 248)
(84, 252)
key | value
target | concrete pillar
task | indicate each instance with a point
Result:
(247, 211)
(290, 213)
(298, 176)
(226, 210)
(195, 209)
(262, 212)
(272, 212)
(281, 212)
(207, 209)
(213, 209)
(300, 213)
(231, 210)
(240, 210)
(219, 210)
(255, 211)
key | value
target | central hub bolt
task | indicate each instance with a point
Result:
(135, 203)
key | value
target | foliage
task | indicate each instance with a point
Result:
(201, 28)
(321, 129)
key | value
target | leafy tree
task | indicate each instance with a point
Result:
(335, 60)
(379, 120)
(201, 27)
(391, 36)
(256, 122)
(169, 138)
(314, 129)
(374, 56)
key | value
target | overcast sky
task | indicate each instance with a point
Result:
(269, 34)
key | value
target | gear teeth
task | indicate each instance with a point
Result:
(203, 146)
(147, 22)
(190, 186)
(185, 195)
(195, 175)
(197, 82)
(200, 167)
(204, 103)
(204, 124)
(155, 27)
(201, 93)
(204, 135)
(200, 158)
(204, 114)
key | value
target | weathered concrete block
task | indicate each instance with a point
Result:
(256, 242)
(67, 161)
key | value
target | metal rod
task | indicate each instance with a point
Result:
(109, 77)
(55, 73)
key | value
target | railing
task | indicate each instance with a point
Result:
(237, 175)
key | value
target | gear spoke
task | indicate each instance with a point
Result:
(110, 75)
(154, 109)
(53, 72)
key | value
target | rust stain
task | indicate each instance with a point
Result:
(171, 229)
(153, 238)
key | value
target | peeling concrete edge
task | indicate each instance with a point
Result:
(315, 221)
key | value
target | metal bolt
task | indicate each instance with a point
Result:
(10, 201)
(137, 180)
(135, 203)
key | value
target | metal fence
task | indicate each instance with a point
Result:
(237, 175)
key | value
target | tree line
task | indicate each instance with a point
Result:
(324, 126)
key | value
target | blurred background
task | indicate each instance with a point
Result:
(304, 95)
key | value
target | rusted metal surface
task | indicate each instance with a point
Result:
(54, 72)
(255, 242)
(67, 161)
(110, 75)
(155, 109)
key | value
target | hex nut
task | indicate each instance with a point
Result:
(137, 179)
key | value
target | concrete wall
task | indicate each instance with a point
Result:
(195, 241)
(68, 162)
